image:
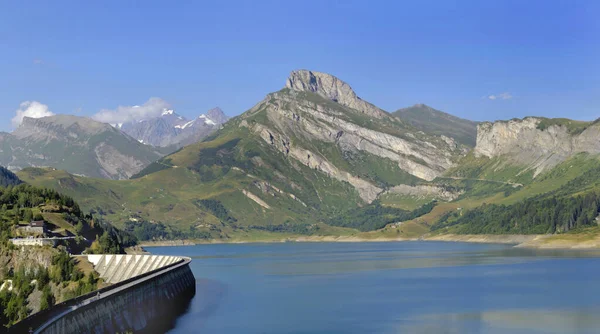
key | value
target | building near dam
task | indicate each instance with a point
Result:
(32, 242)
(147, 294)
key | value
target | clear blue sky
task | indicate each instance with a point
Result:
(535, 57)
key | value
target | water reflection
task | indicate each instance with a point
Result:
(209, 294)
(408, 287)
(583, 321)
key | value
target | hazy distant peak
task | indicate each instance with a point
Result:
(431, 120)
(217, 115)
(63, 121)
(422, 106)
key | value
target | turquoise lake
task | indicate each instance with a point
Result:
(391, 287)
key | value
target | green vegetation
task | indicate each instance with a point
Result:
(404, 202)
(499, 169)
(217, 209)
(8, 178)
(437, 122)
(573, 127)
(288, 227)
(21, 203)
(154, 167)
(383, 172)
(62, 276)
(538, 215)
(375, 216)
(146, 231)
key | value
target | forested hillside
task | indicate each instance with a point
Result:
(8, 178)
(33, 278)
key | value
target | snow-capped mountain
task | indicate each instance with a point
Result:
(172, 129)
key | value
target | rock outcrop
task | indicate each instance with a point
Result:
(532, 143)
(333, 89)
(426, 190)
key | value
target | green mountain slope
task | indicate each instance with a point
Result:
(557, 201)
(437, 122)
(75, 144)
(57, 275)
(536, 175)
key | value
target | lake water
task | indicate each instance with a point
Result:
(401, 287)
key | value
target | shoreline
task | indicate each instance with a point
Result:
(534, 241)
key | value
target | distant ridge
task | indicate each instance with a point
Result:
(433, 121)
(76, 144)
(8, 178)
(173, 130)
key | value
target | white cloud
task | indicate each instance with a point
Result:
(501, 96)
(31, 109)
(123, 114)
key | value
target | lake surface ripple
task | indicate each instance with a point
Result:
(392, 287)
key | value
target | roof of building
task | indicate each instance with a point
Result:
(37, 223)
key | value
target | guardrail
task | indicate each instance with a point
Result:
(39, 321)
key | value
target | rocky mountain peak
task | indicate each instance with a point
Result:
(323, 84)
(172, 129)
(217, 115)
(332, 88)
(422, 106)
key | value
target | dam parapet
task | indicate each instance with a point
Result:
(117, 268)
(147, 294)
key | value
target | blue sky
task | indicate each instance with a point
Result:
(80, 57)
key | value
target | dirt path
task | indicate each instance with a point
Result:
(485, 180)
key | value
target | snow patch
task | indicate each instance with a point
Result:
(184, 125)
(207, 120)
(167, 112)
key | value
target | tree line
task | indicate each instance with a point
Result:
(537, 215)
(375, 216)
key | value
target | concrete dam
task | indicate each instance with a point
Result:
(147, 294)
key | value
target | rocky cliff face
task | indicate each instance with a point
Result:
(333, 89)
(76, 144)
(537, 143)
(171, 129)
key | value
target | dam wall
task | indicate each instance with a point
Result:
(148, 293)
(117, 268)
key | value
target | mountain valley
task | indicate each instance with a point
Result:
(315, 159)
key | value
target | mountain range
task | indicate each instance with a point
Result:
(315, 159)
(171, 129)
(78, 145)
(90, 148)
